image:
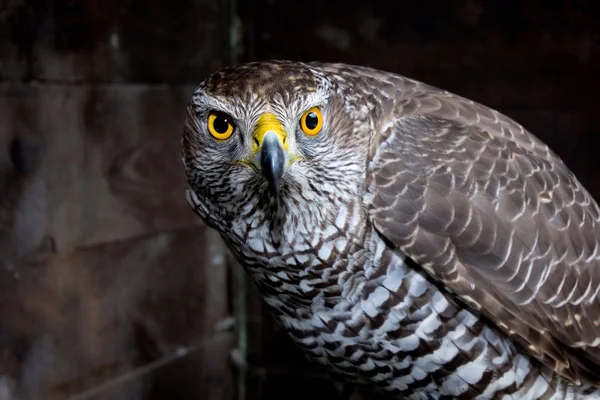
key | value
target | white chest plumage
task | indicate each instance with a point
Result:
(369, 315)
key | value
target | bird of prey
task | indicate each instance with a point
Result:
(408, 238)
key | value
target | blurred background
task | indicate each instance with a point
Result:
(110, 287)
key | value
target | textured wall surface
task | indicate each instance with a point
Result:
(109, 286)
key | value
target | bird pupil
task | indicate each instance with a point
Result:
(312, 120)
(221, 124)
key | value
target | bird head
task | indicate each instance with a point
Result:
(270, 134)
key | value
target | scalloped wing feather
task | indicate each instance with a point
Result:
(491, 213)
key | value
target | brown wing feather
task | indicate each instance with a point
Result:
(488, 210)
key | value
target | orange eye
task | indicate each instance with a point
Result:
(220, 125)
(311, 121)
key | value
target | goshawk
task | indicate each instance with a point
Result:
(408, 238)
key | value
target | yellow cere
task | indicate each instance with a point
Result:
(268, 122)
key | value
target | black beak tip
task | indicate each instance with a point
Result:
(272, 162)
(274, 187)
(272, 169)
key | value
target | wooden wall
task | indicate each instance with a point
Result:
(127, 294)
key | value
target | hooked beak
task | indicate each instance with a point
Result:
(270, 151)
(272, 159)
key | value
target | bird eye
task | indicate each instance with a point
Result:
(220, 125)
(311, 121)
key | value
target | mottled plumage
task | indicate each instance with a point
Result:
(420, 243)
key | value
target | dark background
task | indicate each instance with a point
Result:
(110, 288)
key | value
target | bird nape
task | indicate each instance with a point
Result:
(411, 240)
